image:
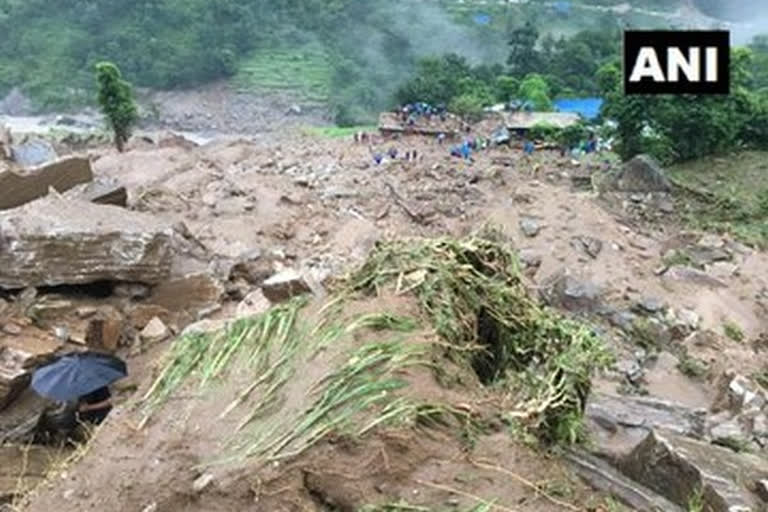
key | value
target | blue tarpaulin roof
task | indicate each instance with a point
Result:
(563, 7)
(482, 18)
(589, 108)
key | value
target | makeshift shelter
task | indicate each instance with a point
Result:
(588, 108)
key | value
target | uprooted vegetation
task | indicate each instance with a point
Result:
(456, 312)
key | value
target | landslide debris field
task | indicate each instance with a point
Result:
(306, 330)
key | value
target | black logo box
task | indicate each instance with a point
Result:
(661, 41)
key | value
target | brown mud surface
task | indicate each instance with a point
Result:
(320, 205)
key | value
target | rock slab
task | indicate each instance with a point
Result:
(641, 174)
(285, 285)
(19, 188)
(53, 242)
(678, 468)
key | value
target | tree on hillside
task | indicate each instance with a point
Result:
(685, 127)
(534, 88)
(523, 56)
(116, 100)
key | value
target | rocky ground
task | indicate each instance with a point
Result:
(202, 229)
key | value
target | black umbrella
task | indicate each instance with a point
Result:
(77, 374)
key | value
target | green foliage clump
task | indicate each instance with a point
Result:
(733, 331)
(678, 128)
(543, 131)
(468, 107)
(474, 295)
(534, 88)
(116, 101)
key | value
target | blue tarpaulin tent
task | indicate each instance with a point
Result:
(563, 7)
(589, 108)
(482, 18)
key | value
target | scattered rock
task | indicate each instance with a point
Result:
(252, 268)
(131, 291)
(761, 487)
(14, 377)
(104, 332)
(736, 393)
(530, 226)
(682, 322)
(253, 304)
(727, 430)
(188, 296)
(204, 327)
(590, 245)
(12, 329)
(202, 482)
(666, 206)
(530, 258)
(641, 174)
(58, 242)
(19, 188)
(139, 315)
(285, 285)
(33, 152)
(603, 477)
(694, 276)
(155, 331)
(677, 468)
(339, 193)
(722, 270)
(576, 295)
(650, 305)
(630, 369)
(619, 423)
(101, 191)
(624, 320)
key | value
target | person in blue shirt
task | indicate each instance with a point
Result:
(528, 147)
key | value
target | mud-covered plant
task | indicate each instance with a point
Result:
(733, 331)
(692, 367)
(473, 293)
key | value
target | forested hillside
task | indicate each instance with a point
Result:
(351, 52)
(352, 55)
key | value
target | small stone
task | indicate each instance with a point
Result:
(12, 329)
(761, 488)
(204, 327)
(131, 291)
(86, 312)
(530, 258)
(152, 507)
(760, 426)
(650, 304)
(61, 333)
(666, 206)
(253, 304)
(155, 331)
(727, 430)
(202, 482)
(285, 285)
(530, 226)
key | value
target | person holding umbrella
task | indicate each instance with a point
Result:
(81, 377)
(95, 406)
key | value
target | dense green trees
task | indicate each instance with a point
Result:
(116, 101)
(684, 127)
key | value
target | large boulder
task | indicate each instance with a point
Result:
(33, 152)
(14, 377)
(641, 174)
(19, 188)
(53, 242)
(679, 468)
(575, 294)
